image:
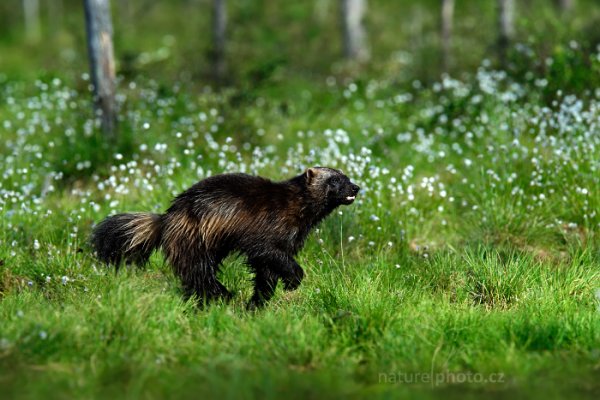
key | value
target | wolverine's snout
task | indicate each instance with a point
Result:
(354, 189)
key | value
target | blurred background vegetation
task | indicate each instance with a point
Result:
(269, 42)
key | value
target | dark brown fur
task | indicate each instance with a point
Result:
(266, 221)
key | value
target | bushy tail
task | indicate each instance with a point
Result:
(127, 237)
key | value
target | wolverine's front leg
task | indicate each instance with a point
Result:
(268, 269)
(286, 267)
(292, 274)
(265, 283)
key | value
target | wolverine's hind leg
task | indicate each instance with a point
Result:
(194, 263)
(198, 277)
(202, 282)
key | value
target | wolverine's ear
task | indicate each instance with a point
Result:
(310, 174)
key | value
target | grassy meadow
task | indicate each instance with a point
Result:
(468, 266)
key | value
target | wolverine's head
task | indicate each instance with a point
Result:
(332, 185)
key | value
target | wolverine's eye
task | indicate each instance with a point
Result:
(335, 182)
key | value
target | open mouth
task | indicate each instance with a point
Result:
(350, 198)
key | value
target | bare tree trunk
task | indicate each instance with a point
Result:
(102, 63)
(447, 16)
(506, 13)
(219, 26)
(355, 37)
(31, 12)
(565, 5)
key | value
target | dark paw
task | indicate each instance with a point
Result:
(255, 304)
(292, 283)
(293, 280)
(226, 296)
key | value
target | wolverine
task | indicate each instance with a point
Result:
(265, 221)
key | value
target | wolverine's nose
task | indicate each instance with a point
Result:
(355, 188)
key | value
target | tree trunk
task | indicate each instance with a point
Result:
(565, 5)
(447, 16)
(506, 12)
(219, 26)
(102, 63)
(353, 30)
(31, 12)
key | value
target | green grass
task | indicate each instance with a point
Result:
(348, 330)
